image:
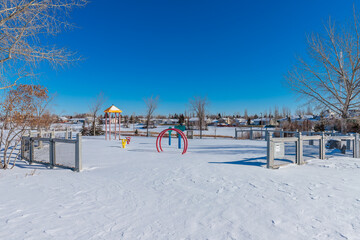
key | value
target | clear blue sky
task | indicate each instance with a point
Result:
(234, 52)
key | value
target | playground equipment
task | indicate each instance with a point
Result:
(125, 141)
(181, 128)
(181, 134)
(108, 113)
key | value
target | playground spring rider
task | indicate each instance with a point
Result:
(180, 134)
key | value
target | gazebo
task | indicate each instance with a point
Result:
(109, 112)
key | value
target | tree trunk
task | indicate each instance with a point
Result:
(147, 127)
(343, 125)
(94, 125)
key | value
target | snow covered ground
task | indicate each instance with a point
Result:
(220, 189)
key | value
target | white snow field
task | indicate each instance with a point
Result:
(220, 189)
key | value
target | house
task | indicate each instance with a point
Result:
(194, 121)
(169, 121)
(240, 122)
(328, 114)
(262, 121)
(63, 119)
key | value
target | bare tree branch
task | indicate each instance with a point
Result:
(22, 24)
(330, 75)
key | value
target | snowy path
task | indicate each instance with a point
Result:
(218, 190)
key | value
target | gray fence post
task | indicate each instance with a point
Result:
(52, 151)
(78, 153)
(299, 149)
(31, 157)
(40, 136)
(236, 135)
(251, 134)
(266, 134)
(270, 152)
(322, 146)
(356, 146)
(22, 150)
(311, 142)
(67, 133)
(348, 143)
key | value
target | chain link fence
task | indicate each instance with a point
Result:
(55, 152)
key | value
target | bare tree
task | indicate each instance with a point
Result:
(42, 117)
(199, 105)
(17, 112)
(94, 108)
(22, 24)
(151, 105)
(330, 76)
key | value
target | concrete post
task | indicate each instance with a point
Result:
(299, 149)
(270, 152)
(67, 133)
(78, 153)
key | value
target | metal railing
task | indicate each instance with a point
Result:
(263, 133)
(299, 145)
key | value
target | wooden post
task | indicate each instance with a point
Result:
(270, 153)
(78, 153)
(67, 133)
(322, 146)
(299, 149)
(115, 118)
(119, 125)
(109, 126)
(251, 134)
(236, 135)
(106, 129)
